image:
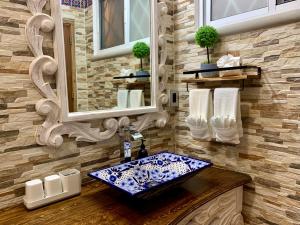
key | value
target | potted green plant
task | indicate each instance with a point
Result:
(141, 50)
(207, 37)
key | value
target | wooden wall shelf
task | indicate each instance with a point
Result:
(197, 72)
(241, 77)
(213, 79)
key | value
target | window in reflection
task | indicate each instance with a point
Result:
(139, 28)
(123, 21)
(112, 23)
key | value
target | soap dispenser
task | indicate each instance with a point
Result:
(143, 151)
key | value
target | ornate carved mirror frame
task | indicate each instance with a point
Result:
(54, 127)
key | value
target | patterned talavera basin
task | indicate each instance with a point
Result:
(152, 172)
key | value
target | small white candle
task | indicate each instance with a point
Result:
(53, 185)
(34, 190)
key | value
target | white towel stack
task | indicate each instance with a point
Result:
(136, 99)
(200, 113)
(226, 122)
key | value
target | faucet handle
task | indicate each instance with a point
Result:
(136, 135)
(131, 128)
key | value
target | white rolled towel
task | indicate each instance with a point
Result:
(127, 73)
(229, 61)
(200, 102)
(226, 122)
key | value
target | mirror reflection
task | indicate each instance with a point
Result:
(107, 53)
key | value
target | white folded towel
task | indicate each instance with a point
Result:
(122, 99)
(136, 99)
(226, 122)
(201, 109)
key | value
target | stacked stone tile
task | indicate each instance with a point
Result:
(21, 159)
(270, 149)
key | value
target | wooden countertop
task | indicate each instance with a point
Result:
(100, 205)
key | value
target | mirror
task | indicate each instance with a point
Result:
(108, 55)
(54, 104)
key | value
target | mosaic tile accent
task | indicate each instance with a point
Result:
(77, 3)
(88, 3)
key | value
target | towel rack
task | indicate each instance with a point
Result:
(242, 84)
(241, 78)
(133, 86)
(144, 89)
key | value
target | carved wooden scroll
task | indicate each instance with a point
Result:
(52, 130)
(223, 210)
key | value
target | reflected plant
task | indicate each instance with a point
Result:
(141, 50)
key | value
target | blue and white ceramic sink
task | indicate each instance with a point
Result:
(142, 176)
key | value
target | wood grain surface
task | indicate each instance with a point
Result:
(101, 205)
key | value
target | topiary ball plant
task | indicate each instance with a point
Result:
(141, 50)
(207, 37)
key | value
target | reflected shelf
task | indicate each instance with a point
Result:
(131, 77)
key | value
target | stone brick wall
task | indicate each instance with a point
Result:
(269, 150)
(21, 159)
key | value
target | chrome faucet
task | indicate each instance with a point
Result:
(134, 134)
(129, 134)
